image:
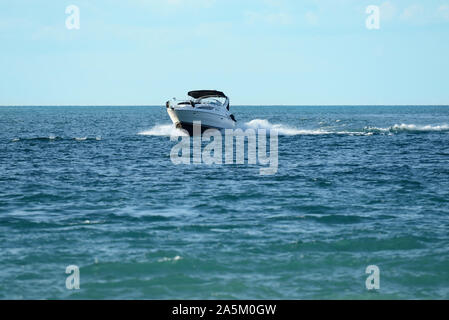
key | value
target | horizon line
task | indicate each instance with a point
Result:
(235, 105)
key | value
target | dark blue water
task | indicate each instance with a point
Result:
(95, 187)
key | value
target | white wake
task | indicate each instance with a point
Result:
(163, 130)
(167, 130)
(410, 128)
(282, 129)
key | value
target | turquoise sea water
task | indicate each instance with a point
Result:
(95, 187)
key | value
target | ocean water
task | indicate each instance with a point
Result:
(94, 187)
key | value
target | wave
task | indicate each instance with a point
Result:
(55, 138)
(163, 130)
(286, 130)
(166, 259)
(87, 138)
(411, 128)
(50, 138)
(397, 128)
(171, 130)
(281, 128)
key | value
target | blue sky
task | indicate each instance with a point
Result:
(143, 52)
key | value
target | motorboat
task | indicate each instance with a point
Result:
(210, 107)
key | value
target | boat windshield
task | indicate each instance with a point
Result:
(212, 100)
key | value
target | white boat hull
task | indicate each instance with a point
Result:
(184, 118)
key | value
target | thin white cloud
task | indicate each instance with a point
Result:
(274, 12)
(387, 11)
(14, 23)
(311, 18)
(413, 13)
(176, 3)
(279, 18)
(275, 3)
(196, 3)
(443, 11)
